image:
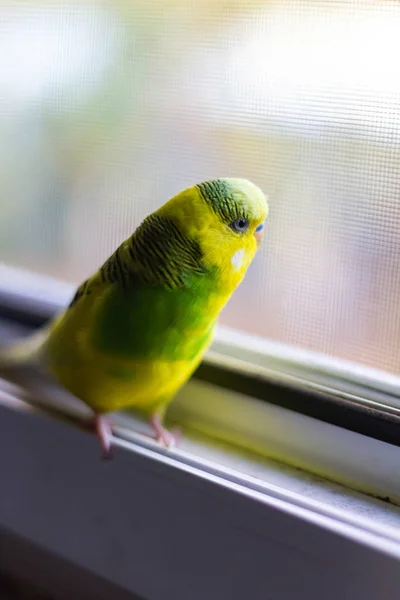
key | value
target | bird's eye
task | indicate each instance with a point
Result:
(240, 225)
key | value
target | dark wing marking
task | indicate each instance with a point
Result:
(162, 255)
(81, 291)
(157, 253)
(115, 268)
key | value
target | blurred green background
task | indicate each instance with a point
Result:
(109, 108)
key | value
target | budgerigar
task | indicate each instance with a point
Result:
(138, 327)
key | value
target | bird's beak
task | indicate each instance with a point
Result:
(259, 234)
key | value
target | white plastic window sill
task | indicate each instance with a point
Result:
(213, 456)
(198, 521)
(205, 520)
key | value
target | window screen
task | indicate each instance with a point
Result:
(108, 109)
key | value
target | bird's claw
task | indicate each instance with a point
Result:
(103, 431)
(166, 438)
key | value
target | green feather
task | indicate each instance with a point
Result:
(125, 328)
(221, 197)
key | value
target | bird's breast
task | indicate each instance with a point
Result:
(149, 322)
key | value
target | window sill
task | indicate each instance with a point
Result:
(217, 518)
(174, 524)
(187, 522)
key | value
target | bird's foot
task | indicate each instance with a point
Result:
(163, 436)
(103, 431)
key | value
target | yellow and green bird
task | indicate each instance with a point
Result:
(138, 327)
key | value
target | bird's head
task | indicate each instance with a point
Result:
(225, 217)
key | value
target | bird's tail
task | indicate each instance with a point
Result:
(23, 352)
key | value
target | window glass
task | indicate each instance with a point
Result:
(109, 108)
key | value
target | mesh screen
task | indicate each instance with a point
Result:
(109, 108)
